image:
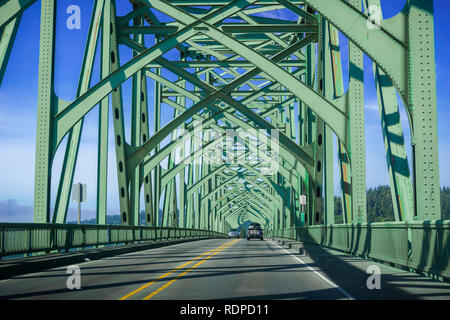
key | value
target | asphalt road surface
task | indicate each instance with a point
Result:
(206, 269)
(222, 269)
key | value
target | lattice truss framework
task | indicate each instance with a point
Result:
(236, 68)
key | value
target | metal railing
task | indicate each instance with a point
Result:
(25, 238)
(422, 246)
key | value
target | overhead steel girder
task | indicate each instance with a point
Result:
(242, 202)
(225, 64)
(264, 204)
(7, 37)
(231, 212)
(241, 78)
(253, 182)
(228, 28)
(285, 155)
(249, 209)
(230, 180)
(170, 174)
(290, 174)
(236, 201)
(254, 21)
(334, 115)
(69, 113)
(302, 155)
(375, 41)
(222, 206)
(237, 93)
(398, 167)
(11, 9)
(137, 155)
(238, 206)
(239, 175)
(224, 2)
(73, 141)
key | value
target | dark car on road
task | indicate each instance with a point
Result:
(255, 231)
(233, 234)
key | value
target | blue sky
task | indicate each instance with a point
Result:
(18, 105)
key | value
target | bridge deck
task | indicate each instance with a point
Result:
(225, 269)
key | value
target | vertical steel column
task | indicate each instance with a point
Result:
(8, 35)
(74, 136)
(103, 120)
(136, 123)
(182, 176)
(328, 165)
(422, 105)
(119, 129)
(357, 144)
(319, 133)
(148, 192)
(190, 202)
(343, 159)
(391, 127)
(157, 125)
(44, 152)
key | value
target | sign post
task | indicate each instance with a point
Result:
(79, 194)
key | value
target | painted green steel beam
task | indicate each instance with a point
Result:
(423, 106)
(243, 205)
(226, 64)
(277, 39)
(264, 200)
(228, 28)
(291, 5)
(268, 28)
(224, 2)
(357, 146)
(237, 93)
(8, 35)
(343, 158)
(171, 173)
(398, 167)
(73, 141)
(379, 44)
(248, 208)
(136, 126)
(69, 114)
(197, 107)
(246, 178)
(334, 115)
(11, 9)
(103, 121)
(298, 152)
(43, 157)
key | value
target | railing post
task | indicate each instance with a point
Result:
(3, 241)
(29, 242)
(83, 232)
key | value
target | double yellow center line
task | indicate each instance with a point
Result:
(212, 252)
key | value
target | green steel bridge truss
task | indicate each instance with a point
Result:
(224, 66)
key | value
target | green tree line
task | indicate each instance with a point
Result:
(380, 208)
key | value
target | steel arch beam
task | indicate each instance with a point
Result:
(335, 116)
(374, 42)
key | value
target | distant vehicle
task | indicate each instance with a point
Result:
(233, 233)
(255, 231)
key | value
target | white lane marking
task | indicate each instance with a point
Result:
(345, 293)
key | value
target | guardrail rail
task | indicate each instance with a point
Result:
(27, 238)
(423, 246)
